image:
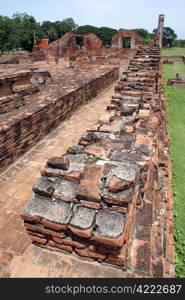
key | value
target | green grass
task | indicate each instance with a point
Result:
(173, 51)
(176, 123)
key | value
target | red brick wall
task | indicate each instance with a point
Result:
(16, 139)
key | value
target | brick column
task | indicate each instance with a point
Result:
(160, 28)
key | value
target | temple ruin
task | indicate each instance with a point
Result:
(127, 39)
(105, 199)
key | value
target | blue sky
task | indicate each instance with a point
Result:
(112, 13)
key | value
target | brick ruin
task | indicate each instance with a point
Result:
(92, 49)
(30, 93)
(118, 41)
(28, 99)
(105, 199)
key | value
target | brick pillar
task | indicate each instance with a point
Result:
(160, 28)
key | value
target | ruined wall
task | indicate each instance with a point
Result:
(160, 29)
(63, 47)
(105, 200)
(27, 129)
(117, 39)
(92, 44)
(14, 87)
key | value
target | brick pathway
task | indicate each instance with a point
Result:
(18, 257)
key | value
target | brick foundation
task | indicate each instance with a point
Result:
(39, 117)
(105, 199)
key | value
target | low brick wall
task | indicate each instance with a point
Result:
(174, 58)
(19, 136)
(178, 83)
(11, 102)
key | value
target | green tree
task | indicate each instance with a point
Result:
(55, 30)
(106, 34)
(169, 36)
(146, 36)
(87, 29)
(25, 27)
(179, 43)
(49, 30)
(6, 34)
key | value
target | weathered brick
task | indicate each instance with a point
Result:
(88, 253)
(109, 228)
(118, 198)
(82, 221)
(89, 186)
(120, 178)
(58, 162)
(140, 256)
(59, 212)
(60, 246)
(65, 190)
(71, 242)
(38, 240)
(44, 187)
(98, 151)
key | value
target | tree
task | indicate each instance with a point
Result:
(7, 40)
(68, 25)
(55, 30)
(179, 43)
(87, 29)
(146, 36)
(169, 36)
(104, 33)
(24, 28)
(49, 30)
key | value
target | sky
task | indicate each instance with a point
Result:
(128, 14)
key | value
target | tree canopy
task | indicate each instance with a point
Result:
(104, 33)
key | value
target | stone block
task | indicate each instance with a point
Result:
(58, 162)
(76, 149)
(83, 218)
(120, 178)
(109, 228)
(123, 197)
(65, 190)
(143, 144)
(44, 187)
(88, 188)
(97, 150)
(125, 156)
(59, 212)
(37, 206)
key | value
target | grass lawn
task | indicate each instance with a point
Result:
(176, 123)
(173, 51)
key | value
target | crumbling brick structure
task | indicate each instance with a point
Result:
(92, 44)
(30, 109)
(104, 199)
(160, 29)
(119, 39)
(14, 88)
(63, 47)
